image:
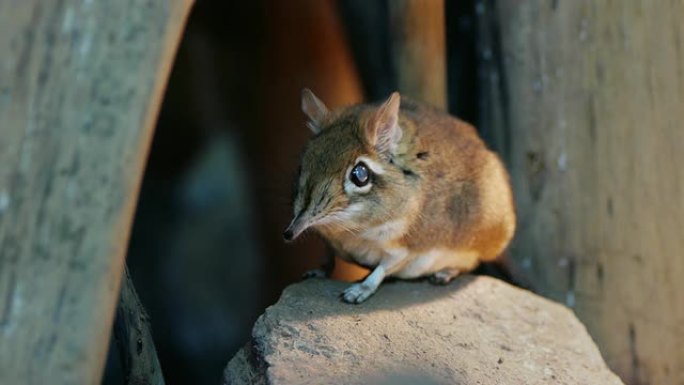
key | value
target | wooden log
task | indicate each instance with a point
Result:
(418, 31)
(138, 355)
(80, 88)
(594, 101)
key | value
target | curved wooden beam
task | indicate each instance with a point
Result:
(80, 87)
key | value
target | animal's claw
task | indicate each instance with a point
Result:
(357, 293)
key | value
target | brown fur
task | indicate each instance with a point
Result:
(439, 179)
(457, 173)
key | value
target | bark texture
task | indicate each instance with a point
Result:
(80, 87)
(134, 338)
(586, 100)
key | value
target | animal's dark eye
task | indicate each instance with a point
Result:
(360, 174)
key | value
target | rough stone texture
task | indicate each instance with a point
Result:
(477, 330)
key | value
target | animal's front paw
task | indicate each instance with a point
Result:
(358, 293)
(315, 273)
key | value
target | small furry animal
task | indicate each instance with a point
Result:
(403, 189)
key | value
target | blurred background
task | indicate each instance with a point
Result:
(206, 253)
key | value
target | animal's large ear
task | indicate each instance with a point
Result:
(383, 131)
(314, 108)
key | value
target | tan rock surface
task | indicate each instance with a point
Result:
(477, 330)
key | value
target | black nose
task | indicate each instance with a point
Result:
(287, 235)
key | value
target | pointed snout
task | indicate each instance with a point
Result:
(296, 227)
(288, 234)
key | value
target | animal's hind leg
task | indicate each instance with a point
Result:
(444, 276)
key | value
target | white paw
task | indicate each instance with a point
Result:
(358, 293)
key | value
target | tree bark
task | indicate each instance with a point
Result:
(588, 103)
(134, 338)
(418, 34)
(80, 88)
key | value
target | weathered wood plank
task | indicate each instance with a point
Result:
(137, 353)
(418, 30)
(595, 105)
(80, 88)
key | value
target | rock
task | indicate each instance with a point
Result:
(477, 330)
